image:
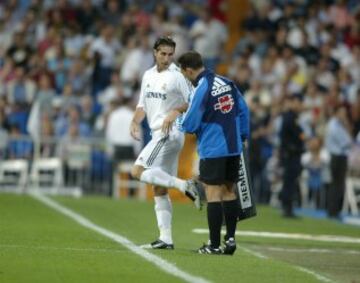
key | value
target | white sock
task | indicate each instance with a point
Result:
(163, 210)
(157, 176)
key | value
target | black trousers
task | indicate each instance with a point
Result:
(338, 168)
(292, 170)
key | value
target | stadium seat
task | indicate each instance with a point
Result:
(352, 196)
(121, 180)
(47, 171)
(14, 175)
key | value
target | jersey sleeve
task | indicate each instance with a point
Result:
(194, 115)
(184, 87)
(244, 114)
(141, 102)
(244, 118)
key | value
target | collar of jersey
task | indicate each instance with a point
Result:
(202, 74)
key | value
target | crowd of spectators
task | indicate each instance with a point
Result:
(63, 63)
(309, 50)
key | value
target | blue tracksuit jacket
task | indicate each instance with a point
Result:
(218, 115)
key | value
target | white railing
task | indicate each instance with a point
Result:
(66, 166)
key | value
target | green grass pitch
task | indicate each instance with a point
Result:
(38, 244)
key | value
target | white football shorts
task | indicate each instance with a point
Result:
(162, 151)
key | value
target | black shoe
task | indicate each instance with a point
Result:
(158, 245)
(193, 192)
(207, 249)
(229, 246)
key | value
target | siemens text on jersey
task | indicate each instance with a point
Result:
(156, 95)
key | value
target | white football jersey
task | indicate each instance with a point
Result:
(161, 92)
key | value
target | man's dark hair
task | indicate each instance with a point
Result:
(164, 40)
(191, 59)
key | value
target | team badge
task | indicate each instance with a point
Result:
(225, 104)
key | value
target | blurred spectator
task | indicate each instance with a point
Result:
(112, 12)
(34, 27)
(50, 38)
(75, 153)
(45, 94)
(112, 92)
(338, 141)
(20, 52)
(292, 146)
(67, 98)
(7, 74)
(48, 146)
(138, 58)
(59, 64)
(79, 78)
(259, 151)
(354, 158)
(72, 119)
(355, 114)
(209, 35)
(175, 29)
(340, 15)
(88, 113)
(103, 52)
(121, 146)
(18, 145)
(315, 162)
(21, 90)
(86, 16)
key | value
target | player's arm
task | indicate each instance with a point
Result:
(185, 90)
(171, 117)
(244, 119)
(139, 116)
(193, 117)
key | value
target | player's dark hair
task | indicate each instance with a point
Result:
(164, 40)
(191, 59)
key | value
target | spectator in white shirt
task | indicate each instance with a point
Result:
(103, 51)
(121, 146)
(338, 142)
(209, 35)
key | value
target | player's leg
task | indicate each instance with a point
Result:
(159, 177)
(230, 203)
(159, 158)
(212, 174)
(158, 162)
(163, 211)
(230, 210)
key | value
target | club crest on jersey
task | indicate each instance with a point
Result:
(225, 103)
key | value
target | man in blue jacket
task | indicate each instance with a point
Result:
(219, 117)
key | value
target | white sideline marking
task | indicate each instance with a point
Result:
(156, 260)
(321, 238)
(300, 268)
(315, 274)
(254, 253)
(312, 250)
